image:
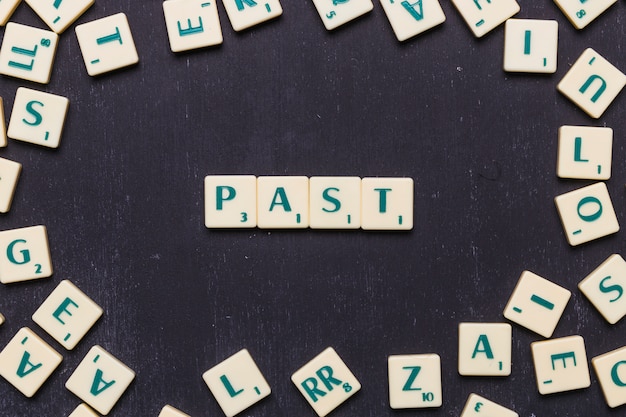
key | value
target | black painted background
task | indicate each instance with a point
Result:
(122, 199)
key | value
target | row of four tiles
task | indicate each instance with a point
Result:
(297, 202)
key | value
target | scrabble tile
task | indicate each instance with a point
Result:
(67, 314)
(414, 381)
(230, 201)
(335, 13)
(28, 52)
(7, 7)
(583, 12)
(604, 287)
(107, 44)
(283, 202)
(1, 319)
(592, 83)
(387, 203)
(237, 383)
(536, 304)
(477, 406)
(100, 380)
(560, 364)
(9, 174)
(409, 18)
(83, 410)
(38, 117)
(59, 14)
(244, 14)
(585, 152)
(3, 126)
(335, 202)
(192, 24)
(169, 411)
(530, 45)
(24, 254)
(484, 15)
(611, 374)
(27, 361)
(485, 349)
(326, 382)
(587, 214)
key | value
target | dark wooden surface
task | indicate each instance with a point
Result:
(122, 199)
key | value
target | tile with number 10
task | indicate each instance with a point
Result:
(414, 381)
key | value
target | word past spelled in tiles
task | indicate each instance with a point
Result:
(83, 410)
(28, 52)
(410, 18)
(414, 381)
(592, 83)
(59, 14)
(67, 314)
(560, 364)
(484, 15)
(192, 24)
(38, 117)
(585, 152)
(169, 411)
(530, 45)
(237, 383)
(485, 349)
(9, 174)
(100, 380)
(326, 382)
(24, 254)
(107, 44)
(611, 371)
(27, 361)
(604, 287)
(335, 13)
(244, 14)
(477, 406)
(587, 214)
(537, 304)
(582, 12)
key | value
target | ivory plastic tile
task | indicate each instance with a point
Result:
(283, 202)
(247, 13)
(237, 383)
(387, 203)
(59, 14)
(410, 18)
(7, 7)
(9, 174)
(326, 382)
(560, 364)
(83, 410)
(583, 12)
(592, 83)
(24, 254)
(604, 287)
(335, 13)
(414, 381)
(3, 126)
(100, 380)
(485, 349)
(169, 411)
(27, 361)
(335, 202)
(67, 314)
(1, 319)
(611, 371)
(107, 44)
(28, 52)
(587, 214)
(536, 304)
(38, 117)
(477, 406)
(585, 152)
(484, 15)
(530, 45)
(192, 24)
(230, 201)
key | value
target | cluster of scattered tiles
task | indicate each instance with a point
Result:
(243, 201)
